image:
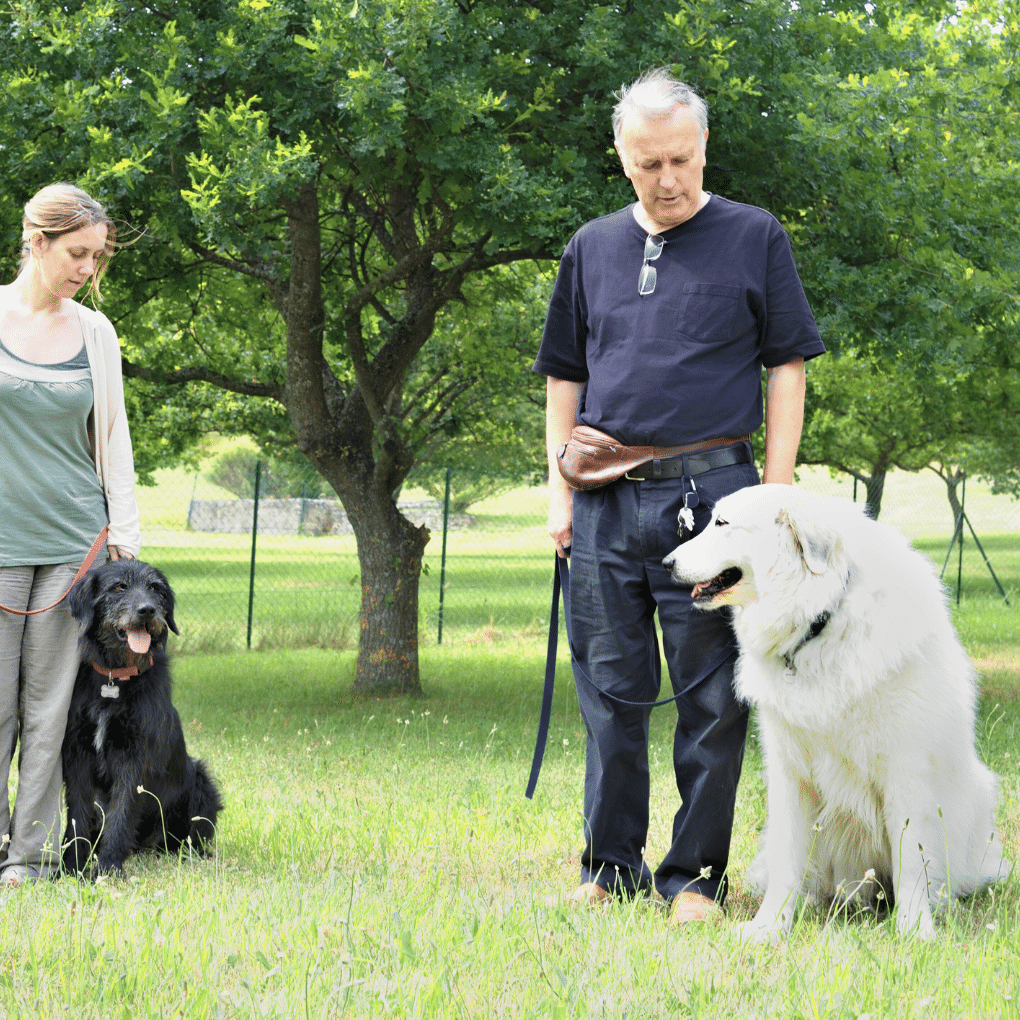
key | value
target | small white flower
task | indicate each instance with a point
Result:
(705, 873)
(869, 874)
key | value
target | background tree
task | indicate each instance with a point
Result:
(869, 414)
(907, 243)
(487, 422)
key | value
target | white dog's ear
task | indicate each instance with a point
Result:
(814, 542)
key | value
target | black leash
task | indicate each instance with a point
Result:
(561, 582)
(550, 666)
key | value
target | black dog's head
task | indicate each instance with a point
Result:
(123, 607)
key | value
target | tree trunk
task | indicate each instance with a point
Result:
(952, 480)
(874, 487)
(390, 552)
(336, 435)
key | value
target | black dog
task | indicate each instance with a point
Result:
(130, 782)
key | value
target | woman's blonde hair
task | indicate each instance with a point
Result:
(61, 209)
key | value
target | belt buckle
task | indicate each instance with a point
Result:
(633, 478)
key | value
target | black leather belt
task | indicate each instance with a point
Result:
(697, 463)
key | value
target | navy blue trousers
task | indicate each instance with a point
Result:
(617, 586)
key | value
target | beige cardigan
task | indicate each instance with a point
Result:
(112, 451)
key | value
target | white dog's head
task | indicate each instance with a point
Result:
(768, 541)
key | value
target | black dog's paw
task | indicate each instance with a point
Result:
(109, 868)
(80, 869)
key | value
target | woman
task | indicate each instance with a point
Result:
(66, 471)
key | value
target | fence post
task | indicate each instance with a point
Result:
(442, 568)
(254, 536)
(959, 562)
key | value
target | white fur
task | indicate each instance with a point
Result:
(869, 738)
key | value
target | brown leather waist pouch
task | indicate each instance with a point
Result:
(592, 458)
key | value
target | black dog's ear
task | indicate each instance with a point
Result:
(82, 600)
(170, 601)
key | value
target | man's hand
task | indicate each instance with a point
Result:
(561, 509)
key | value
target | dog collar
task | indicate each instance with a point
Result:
(817, 626)
(110, 689)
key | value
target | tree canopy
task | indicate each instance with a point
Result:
(908, 245)
(331, 195)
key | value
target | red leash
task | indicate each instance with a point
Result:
(82, 570)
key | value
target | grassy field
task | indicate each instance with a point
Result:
(378, 858)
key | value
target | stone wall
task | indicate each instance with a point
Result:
(302, 516)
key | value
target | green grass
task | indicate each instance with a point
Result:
(377, 858)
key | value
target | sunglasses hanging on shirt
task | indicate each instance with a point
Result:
(653, 249)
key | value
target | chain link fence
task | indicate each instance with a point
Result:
(282, 571)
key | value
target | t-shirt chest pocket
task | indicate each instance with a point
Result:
(706, 311)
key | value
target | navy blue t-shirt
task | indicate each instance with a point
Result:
(684, 363)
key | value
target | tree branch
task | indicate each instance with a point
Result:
(199, 373)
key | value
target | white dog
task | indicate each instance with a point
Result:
(865, 706)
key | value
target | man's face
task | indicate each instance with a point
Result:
(665, 161)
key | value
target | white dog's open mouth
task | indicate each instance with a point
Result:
(707, 590)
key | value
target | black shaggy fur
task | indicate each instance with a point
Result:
(114, 745)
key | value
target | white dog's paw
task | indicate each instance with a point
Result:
(770, 928)
(917, 925)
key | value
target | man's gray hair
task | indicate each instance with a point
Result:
(655, 94)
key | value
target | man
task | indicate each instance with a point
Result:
(662, 317)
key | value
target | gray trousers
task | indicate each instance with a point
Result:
(38, 664)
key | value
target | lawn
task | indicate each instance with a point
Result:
(379, 858)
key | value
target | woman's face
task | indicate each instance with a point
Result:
(66, 262)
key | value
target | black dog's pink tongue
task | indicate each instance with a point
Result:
(139, 641)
